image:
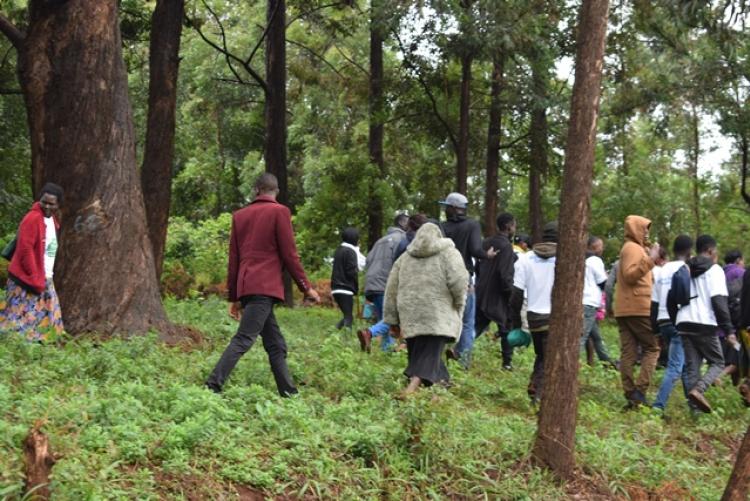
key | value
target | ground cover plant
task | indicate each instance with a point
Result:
(130, 419)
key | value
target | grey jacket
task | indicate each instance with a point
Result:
(426, 291)
(380, 260)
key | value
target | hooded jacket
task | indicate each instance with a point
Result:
(634, 278)
(540, 287)
(345, 271)
(27, 266)
(380, 260)
(426, 291)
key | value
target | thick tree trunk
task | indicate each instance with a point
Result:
(462, 154)
(158, 155)
(375, 142)
(81, 129)
(694, 175)
(554, 446)
(538, 146)
(738, 487)
(275, 106)
(494, 130)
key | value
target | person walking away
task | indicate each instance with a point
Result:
(595, 278)
(633, 309)
(675, 368)
(467, 236)
(424, 302)
(415, 222)
(495, 285)
(698, 320)
(31, 307)
(345, 276)
(261, 246)
(734, 270)
(380, 260)
(535, 276)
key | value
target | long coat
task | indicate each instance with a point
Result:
(495, 281)
(426, 290)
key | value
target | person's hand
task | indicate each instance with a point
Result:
(312, 295)
(395, 331)
(491, 253)
(235, 310)
(653, 252)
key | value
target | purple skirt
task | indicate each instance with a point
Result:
(33, 316)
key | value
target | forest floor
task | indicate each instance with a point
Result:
(130, 419)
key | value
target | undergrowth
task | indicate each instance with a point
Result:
(131, 419)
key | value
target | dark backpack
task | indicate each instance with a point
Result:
(735, 293)
(679, 293)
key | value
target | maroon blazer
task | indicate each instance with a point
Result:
(261, 246)
(27, 264)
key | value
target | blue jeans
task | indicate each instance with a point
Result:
(466, 341)
(380, 329)
(591, 328)
(675, 366)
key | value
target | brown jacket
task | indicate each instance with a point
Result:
(634, 279)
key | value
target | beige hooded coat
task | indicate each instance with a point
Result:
(634, 279)
(426, 290)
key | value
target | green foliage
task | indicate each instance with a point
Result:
(131, 420)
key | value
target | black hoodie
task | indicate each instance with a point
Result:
(698, 266)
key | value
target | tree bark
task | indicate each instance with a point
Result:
(494, 130)
(555, 440)
(462, 153)
(38, 461)
(694, 175)
(275, 106)
(81, 130)
(538, 145)
(375, 142)
(158, 155)
(738, 487)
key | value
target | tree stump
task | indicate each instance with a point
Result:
(38, 461)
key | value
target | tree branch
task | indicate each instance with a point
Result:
(515, 141)
(316, 9)
(351, 61)
(10, 30)
(318, 56)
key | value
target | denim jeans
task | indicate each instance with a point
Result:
(466, 341)
(591, 328)
(380, 329)
(675, 366)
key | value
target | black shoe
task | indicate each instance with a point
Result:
(212, 388)
(636, 397)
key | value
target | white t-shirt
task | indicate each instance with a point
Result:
(662, 284)
(595, 274)
(536, 276)
(700, 311)
(50, 246)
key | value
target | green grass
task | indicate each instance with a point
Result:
(131, 420)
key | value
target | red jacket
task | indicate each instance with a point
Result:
(260, 247)
(27, 264)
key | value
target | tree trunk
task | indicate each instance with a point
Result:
(494, 130)
(554, 446)
(81, 129)
(538, 145)
(462, 155)
(745, 154)
(158, 155)
(695, 178)
(38, 461)
(275, 106)
(375, 204)
(738, 487)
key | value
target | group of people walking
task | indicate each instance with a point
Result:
(437, 286)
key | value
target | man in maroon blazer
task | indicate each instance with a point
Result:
(261, 246)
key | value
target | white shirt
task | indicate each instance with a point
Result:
(536, 276)
(662, 285)
(595, 274)
(700, 310)
(521, 256)
(50, 246)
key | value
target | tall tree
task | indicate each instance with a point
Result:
(554, 445)
(375, 140)
(538, 142)
(494, 131)
(275, 105)
(81, 128)
(467, 59)
(738, 487)
(158, 155)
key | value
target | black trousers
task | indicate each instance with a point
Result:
(346, 305)
(536, 384)
(257, 319)
(481, 323)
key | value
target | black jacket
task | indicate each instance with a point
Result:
(467, 235)
(345, 270)
(495, 280)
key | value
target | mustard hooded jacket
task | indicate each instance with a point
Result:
(634, 278)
